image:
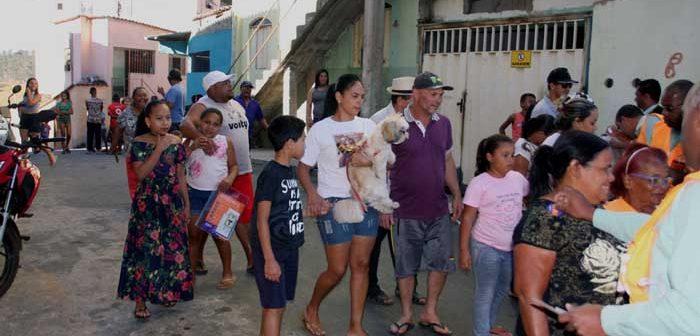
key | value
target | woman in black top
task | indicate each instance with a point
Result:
(559, 259)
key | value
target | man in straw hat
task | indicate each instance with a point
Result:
(400, 90)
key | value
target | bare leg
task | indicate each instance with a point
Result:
(24, 134)
(271, 323)
(337, 257)
(242, 232)
(224, 248)
(406, 286)
(436, 282)
(360, 250)
(194, 239)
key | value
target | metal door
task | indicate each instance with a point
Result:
(476, 60)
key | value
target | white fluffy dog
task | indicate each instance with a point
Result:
(369, 183)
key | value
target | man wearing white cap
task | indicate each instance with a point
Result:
(235, 127)
(400, 90)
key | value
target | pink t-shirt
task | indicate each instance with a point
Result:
(500, 205)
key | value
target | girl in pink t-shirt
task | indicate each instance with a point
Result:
(493, 207)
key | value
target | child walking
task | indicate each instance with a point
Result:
(517, 118)
(493, 207)
(155, 264)
(279, 226)
(207, 174)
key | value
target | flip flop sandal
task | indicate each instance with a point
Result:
(433, 325)
(200, 269)
(407, 325)
(418, 299)
(142, 313)
(169, 304)
(310, 327)
(226, 283)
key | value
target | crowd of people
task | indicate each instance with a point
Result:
(597, 225)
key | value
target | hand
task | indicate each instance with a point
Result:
(574, 204)
(359, 160)
(272, 270)
(161, 90)
(318, 206)
(206, 145)
(585, 320)
(225, 184)
(465, 260)
(386, 221)
(457, 208)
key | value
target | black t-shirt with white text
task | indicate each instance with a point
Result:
(278, 184)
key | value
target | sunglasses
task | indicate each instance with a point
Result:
(654, 181)
(566, 85)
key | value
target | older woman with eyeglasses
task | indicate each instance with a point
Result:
(641, 180)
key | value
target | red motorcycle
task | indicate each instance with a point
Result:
(19, 184)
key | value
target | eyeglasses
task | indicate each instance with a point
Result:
(671, 108)
(655, 181)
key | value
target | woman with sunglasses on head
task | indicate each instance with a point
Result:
(577, 113)
(641, 180)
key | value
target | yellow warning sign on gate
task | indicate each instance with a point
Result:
(520, 59)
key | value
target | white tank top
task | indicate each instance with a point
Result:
(234, 127)
(204, 172)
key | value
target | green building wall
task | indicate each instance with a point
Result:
(403, 53)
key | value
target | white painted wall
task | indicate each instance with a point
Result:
(452, 10)
(100, 53)
(635, 39)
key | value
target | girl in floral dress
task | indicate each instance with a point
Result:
(155, 265)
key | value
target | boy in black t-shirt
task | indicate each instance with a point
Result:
(279, 226)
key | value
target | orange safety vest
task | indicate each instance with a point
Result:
(635, 274)
(619, 205)
(655, 133)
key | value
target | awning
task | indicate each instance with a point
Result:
(173, 43)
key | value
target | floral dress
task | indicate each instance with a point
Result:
(587, 265)
(155, 265)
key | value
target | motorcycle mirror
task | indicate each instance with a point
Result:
(16, 88)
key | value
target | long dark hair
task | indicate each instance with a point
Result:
(552, 162)
(66, 93)
(344, 83)
(488, 146)
(575, 109)
(317, 80)
(26, 86)
(141, 126)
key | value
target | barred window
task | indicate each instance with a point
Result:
(140, 61)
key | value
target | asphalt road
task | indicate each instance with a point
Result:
(70, 268)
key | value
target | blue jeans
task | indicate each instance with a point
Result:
(493, 270)
(333, 233)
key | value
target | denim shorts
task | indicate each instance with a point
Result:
(423, 244)
(198, 199)
(333, 233)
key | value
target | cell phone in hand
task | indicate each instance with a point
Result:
(546, 306)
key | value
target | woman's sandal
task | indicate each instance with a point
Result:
(312, 328)
(142, 313)
(169, 304)
(200, 269)
(395, 328)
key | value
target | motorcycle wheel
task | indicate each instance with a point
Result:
(9, 257)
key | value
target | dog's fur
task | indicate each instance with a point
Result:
(370, 182)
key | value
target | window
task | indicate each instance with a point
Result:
(258, 42)
(140, 61)
(200, 61)
(177, 62)
(59, 6)
(67, 59)
(493, 6)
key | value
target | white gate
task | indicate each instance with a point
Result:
(476, 60)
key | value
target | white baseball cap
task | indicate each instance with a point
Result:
(213, 78)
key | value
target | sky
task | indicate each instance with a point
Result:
(25, 21)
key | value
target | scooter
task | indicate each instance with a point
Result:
(19, 185)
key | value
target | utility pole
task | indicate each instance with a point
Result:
(373, 56)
